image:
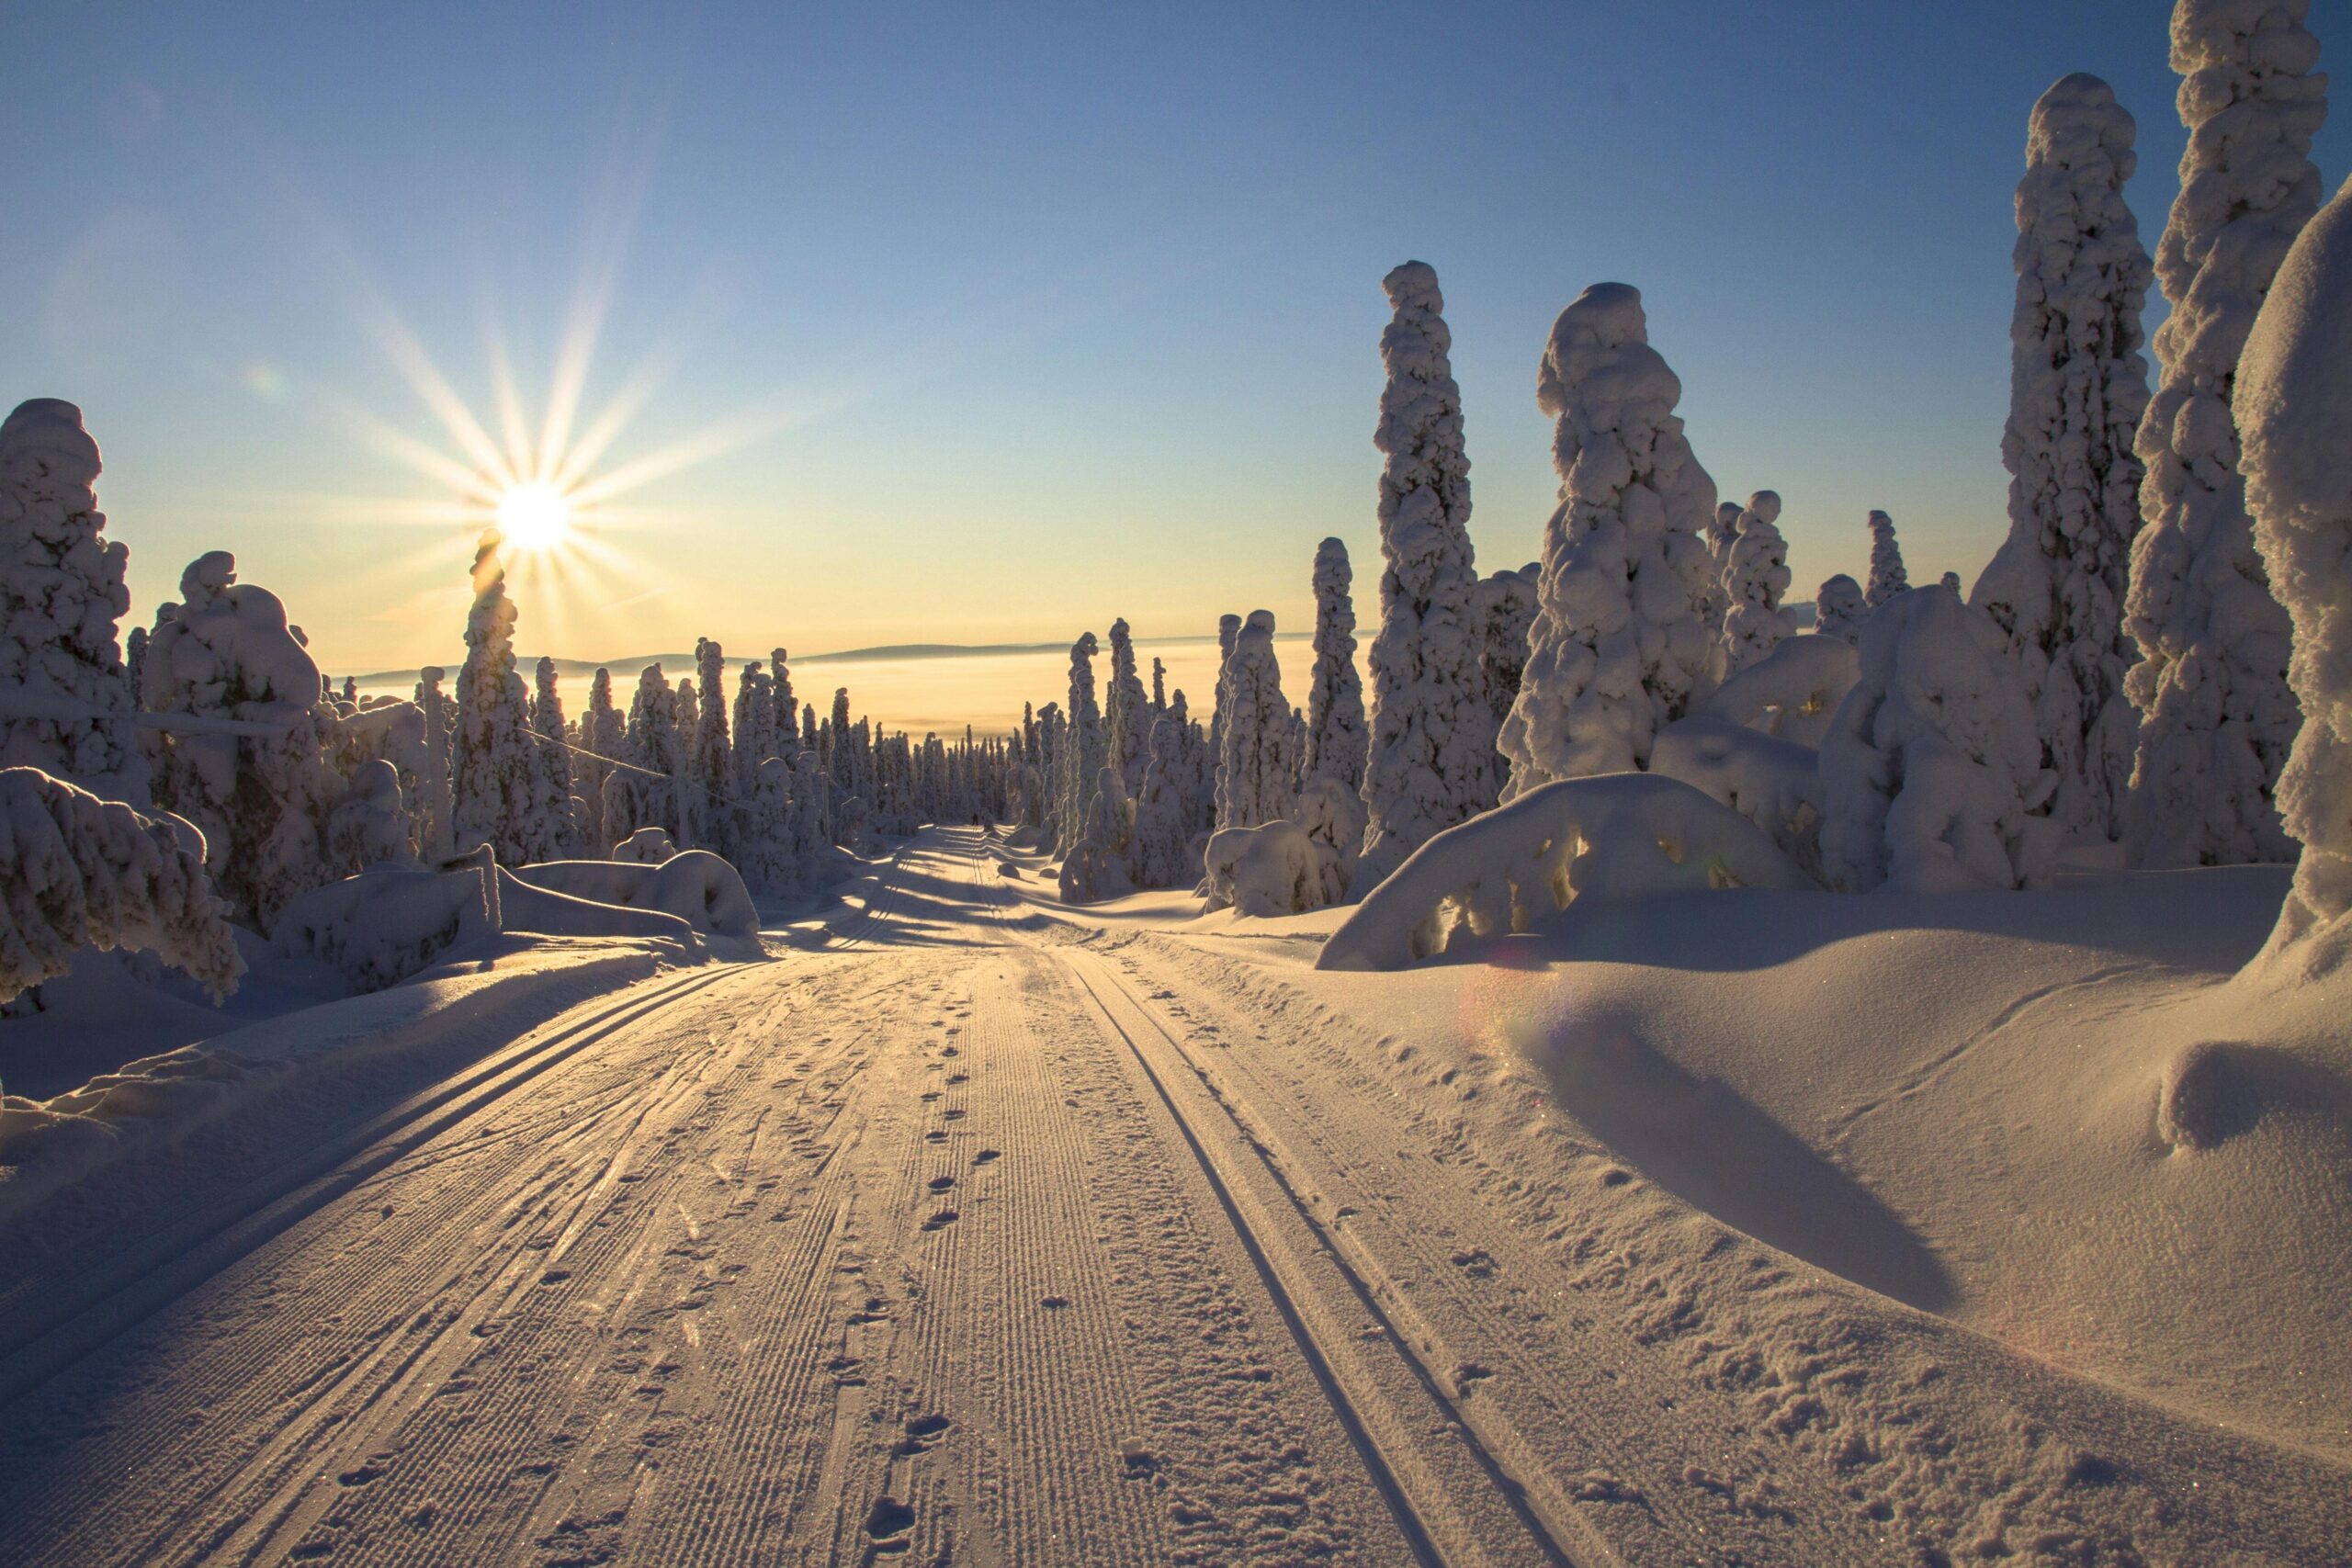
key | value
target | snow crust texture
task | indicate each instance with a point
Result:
(2078, 388)
(1621, 644)
(2217, 713)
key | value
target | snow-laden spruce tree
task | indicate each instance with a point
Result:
(2217, 714)
(1620, 646)
(434, 807)
(604, 741)
(1336, 735)
(261, 795)
(1887, 576)
(753, 737)
(1432, 733)
(1950, 583)
(1256, 776)
(554, 746)
(1755, 581)
(67, 709)
(1159, 690)
(1126, 725)
(789, 734)
(1085, 747)
(1931, 775)
(78, 870)
(494, 775)
(1506, 606)
(1229, 631)
(2077, 387)
(2294, 412)
(1160, 847)
(1839, 609)
(714, 760)
(1722, 532)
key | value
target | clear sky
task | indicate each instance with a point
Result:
(981, 324)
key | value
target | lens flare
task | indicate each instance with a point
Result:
(535, 515)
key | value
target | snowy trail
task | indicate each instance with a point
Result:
(994, 1236)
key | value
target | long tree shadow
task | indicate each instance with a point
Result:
(1706, 1144)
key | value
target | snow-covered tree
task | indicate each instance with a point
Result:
(1096, 867)
(78, 870)
(2294, 411)
(251, 768)
(1126, 724)
(1949, 582)
(769, 856)
(1620, 646)
(2077, 387)
(1160, 847)
(1756, 577)
(369, 825)
(1931, 775)
(554, 747)
(754, 738)
(1722, 532)
(1228, 630)
(65, 707)
(713, 753)
(495, 777)
(1255, 777)
(1433, 732)
(1336, 736)
(1887, 576)
(2217, 714)
(788, 733)
(1839, 609)
(1085, 748)
(1506, 606)
(604, 738)
(1158, 689)
(433, 807)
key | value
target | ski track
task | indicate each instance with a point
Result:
(981, 1237)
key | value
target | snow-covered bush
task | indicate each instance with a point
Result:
(2077, 387)
(496, 778)
(694, 884)
(1337, 739)
(246, 760)
(369, 826)
(1621, 644)
(1887, 576)
(1792, 692)
(1614, 836)
(1255, 775)
(2217, 715)
(1839, 609)
(78, 870)
(65, 704)
(1755, 579)
(1931, 776)
(2294, 407)
(646, 846)
(1773, 782)
(1430, 764)
(389, 922)
(1096, 867)
(1275, 868)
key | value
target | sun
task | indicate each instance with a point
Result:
(535, 515)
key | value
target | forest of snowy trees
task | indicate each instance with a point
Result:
(2144, 668)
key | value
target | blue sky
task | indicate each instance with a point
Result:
(1008, 320)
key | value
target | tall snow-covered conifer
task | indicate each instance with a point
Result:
(1126, 725)
(2077, 387)
(1887, 576)
(496, 773)
(2217, 714)
(1085, 747)
(1838, 610)
(62, 598)
(555, 761)
(1256, 776)
(1621, 645)
(1336, 735)
(1433, 732)
(1756, 577)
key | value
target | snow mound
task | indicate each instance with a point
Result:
(1774, 782)
(1791, 692)
(1608, 836)
(694, 884)
(646, 846)
(76, 870)
(389, 922)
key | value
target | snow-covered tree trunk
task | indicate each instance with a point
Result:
(78, 870)
(65, 707)
(1336, 737)
(226, 653)
(1430, 764)
(1887, 576)
(1931, 775)
(2077, 387)
(2217, 714)
(1755, 579)
(1620, 646)
(1255, 777)
(1839, 609)
(2294, 409)
(495, 777)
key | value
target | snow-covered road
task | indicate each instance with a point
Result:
(935, 1244)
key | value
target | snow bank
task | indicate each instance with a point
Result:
(389, 922)
(1609, 836)
(2294, 402)
(76, 870)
